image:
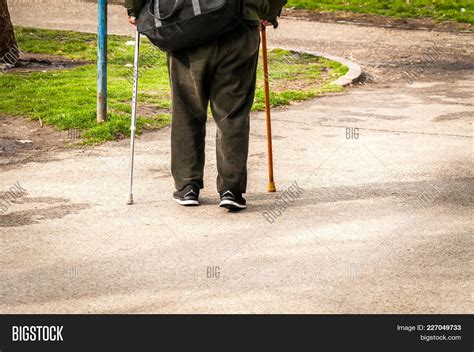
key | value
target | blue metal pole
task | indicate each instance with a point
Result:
(102, 63)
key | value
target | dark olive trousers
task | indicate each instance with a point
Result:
(223, 74)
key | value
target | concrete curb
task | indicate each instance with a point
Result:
(351, 76)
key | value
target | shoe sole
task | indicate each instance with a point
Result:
(187, 202)
(231, 205)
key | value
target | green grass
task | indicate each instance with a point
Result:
(460, 11)
(66, 99)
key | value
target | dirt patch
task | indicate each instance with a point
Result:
(148, 110)
(22, 140)
(114, 2)
(378, 20)
(42, 63)
(453, 116)
(37, 214)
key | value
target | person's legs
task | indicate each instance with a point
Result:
(190, 96)
(231, 95)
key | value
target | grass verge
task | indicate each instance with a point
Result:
(459, 11)
(66, 99)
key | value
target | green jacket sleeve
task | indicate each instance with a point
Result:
(270, 9)
(263, 9)
(134, 6)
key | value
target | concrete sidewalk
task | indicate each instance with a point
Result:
(384, 223)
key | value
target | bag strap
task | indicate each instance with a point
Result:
(177, 6)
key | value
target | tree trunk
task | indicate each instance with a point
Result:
(9, 53)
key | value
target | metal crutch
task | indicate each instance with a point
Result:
(134, 115)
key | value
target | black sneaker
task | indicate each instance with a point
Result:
(189, 195)
(232, 201)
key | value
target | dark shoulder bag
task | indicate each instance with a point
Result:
(173, 25)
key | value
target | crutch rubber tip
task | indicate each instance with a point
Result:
(271, 187)
(130, 200)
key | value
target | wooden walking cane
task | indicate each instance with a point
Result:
(271, 183)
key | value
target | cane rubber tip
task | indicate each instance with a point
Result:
(130, 200)
(271, 187)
